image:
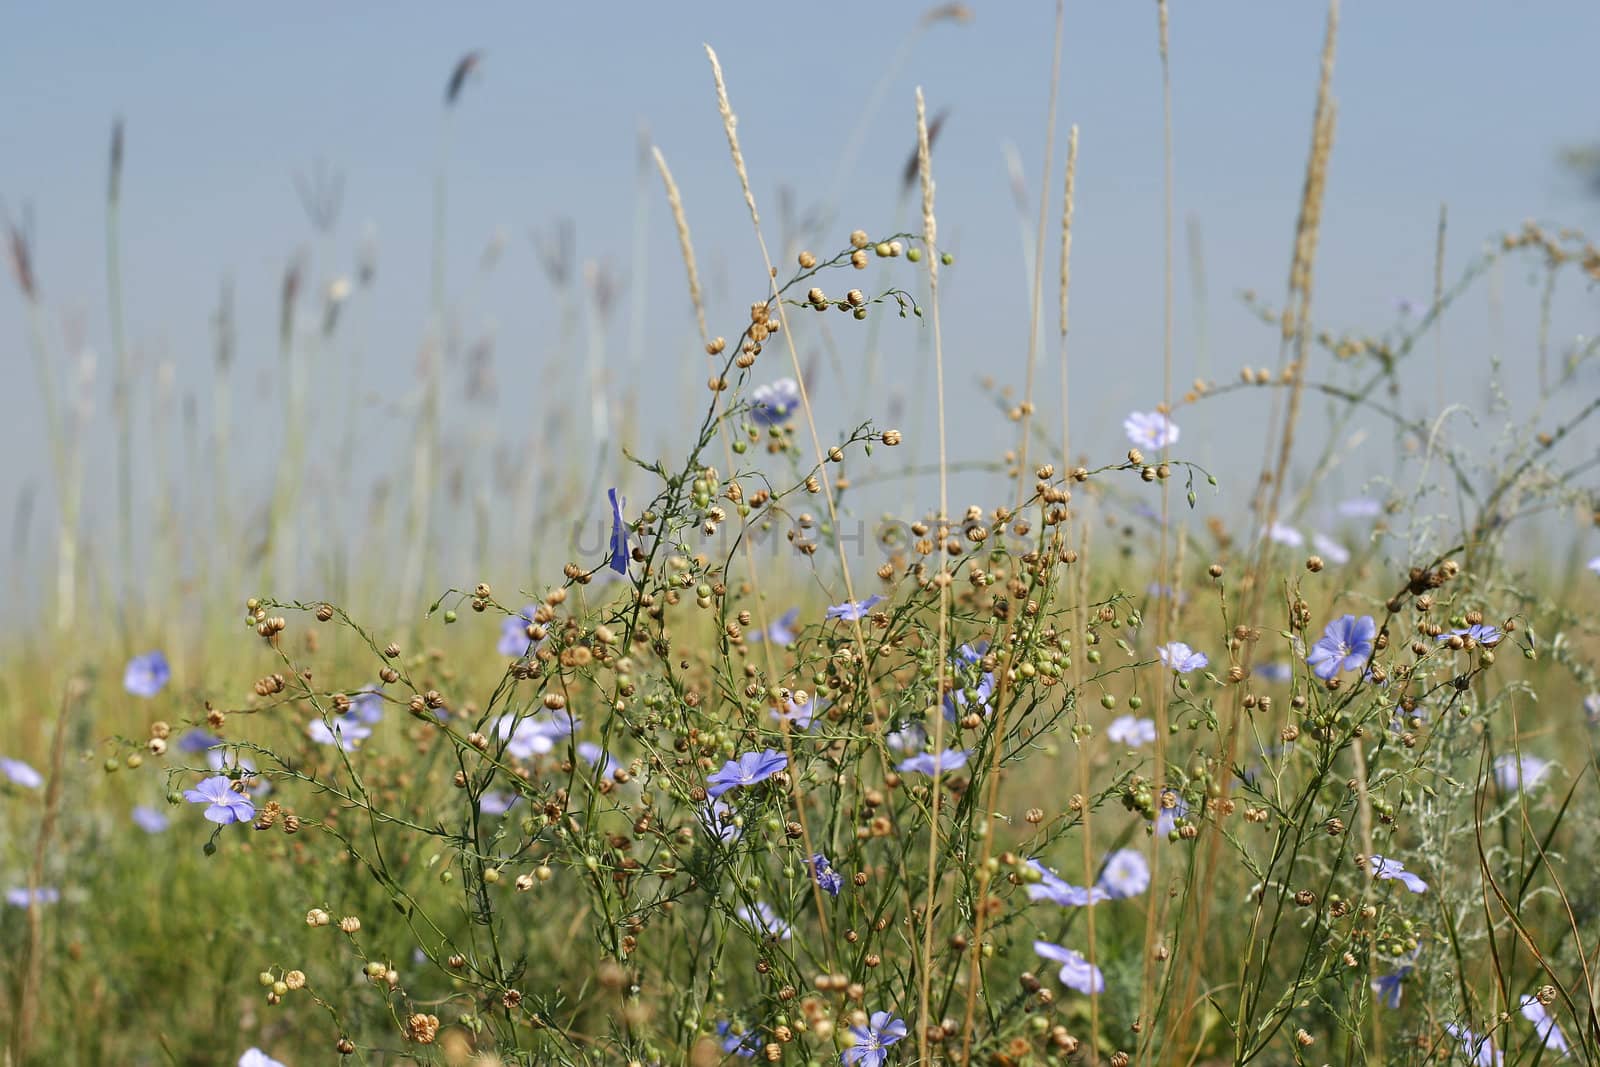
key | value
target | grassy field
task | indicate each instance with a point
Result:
(1056, 775)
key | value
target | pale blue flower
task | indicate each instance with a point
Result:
(514, 639)
(1591, 708)
(1360, 507)
(22, 898)
(1388, 869)
(1076, 972)
(1132, 731)
(1515, 773)
(1330, 550)
(497, 802)
(149, 819)
(775, 403)
(347, 731)
(744, 1045)
(366, 705)
(224, 805)
(799, 715)
(196, 741)
(1479, 1051)
(593, 754)
(146, 675)
(528, 736)
(1167, 816)
(1389, 986)
(931, 763)
(722, 822)
(871, 1042)
(1345, 645)
(1275, 672)
(1284, 534)
(852, 610)
(965, 698)
(20, 773)
(1550, 1035)
(1150, 429)
(619, 534)
(1484, 634)
(1594, 564)
(254, 1057)
(1126, 874)
(781, 630)
(1057, 890)
(764, 920)
(1181, 658)
(827, 878)
(912, 736)
(748, 769)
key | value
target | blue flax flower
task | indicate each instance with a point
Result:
(367, 705)
(149, 819)
(254, 1057)
(765, 920)
(347, 731)
(970, 698)
(852, 610)
(722, 822)
(781, 630)
(1360, 507)
(592, 754)
(872, 1041)
(1345, 645)
(934, 763)
(1059, 891)
(748, 769)
(1283, 534)
(1394, 870)
(1479, 1051)
(1550, 1035)
(22, 898)
(1515, 773)
(1388, 986)
(514, 639)
(1126, 874)
(1330, 550)
(1150, 429)
(20, 773)
(774, 404)
(1131, 730)
(225, 806)
(799, 716)
(619, 534)
(146, 675)
(828, 878)
(1076, 972)
(1181, 658)
(1173, 808)
(744, 1045)
(1485, 635)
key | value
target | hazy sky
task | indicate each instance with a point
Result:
(1439, 102)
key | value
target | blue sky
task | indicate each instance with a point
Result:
(1438, 103)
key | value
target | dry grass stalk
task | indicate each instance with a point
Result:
(680, 222)
(930, 237)
(1155, 910)
(1022, 472)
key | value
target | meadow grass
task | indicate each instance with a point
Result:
(1054, 776)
